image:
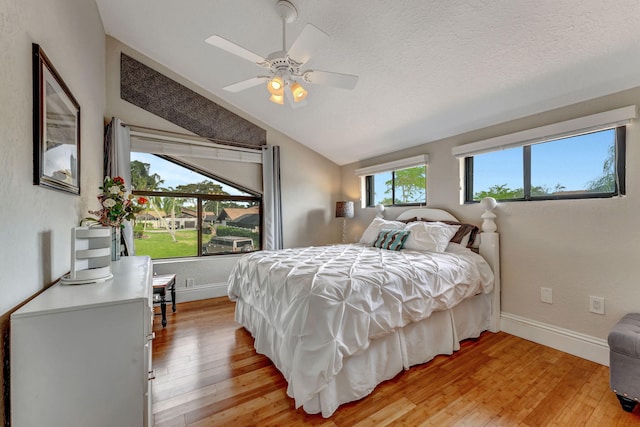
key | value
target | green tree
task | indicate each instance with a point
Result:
(500, 192)
(409, 184)
(606, 183)
(503, 192)
(206, 187)
(140, 178)
(172, 206)
(143, 181)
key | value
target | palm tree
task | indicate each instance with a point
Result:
(141, 180)
(607, 181)
(171, 205)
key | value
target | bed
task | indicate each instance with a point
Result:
(337, 320)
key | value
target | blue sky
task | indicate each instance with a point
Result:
(572, 163)
(174, 175)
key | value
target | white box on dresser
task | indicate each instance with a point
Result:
(81, 354)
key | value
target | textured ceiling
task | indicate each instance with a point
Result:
(428, 69)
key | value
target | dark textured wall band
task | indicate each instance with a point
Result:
(148, 89)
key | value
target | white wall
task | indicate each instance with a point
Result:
(310, 182)
(36, 222)
(577, 248)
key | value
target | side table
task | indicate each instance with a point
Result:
(162, 283)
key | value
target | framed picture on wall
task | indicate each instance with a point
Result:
(56, 128)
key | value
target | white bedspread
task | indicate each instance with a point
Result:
(327, 303)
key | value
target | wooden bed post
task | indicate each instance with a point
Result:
(490, 250)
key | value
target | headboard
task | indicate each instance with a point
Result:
(434, 214)
(489, 245)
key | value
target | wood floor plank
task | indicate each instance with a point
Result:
(388, 414)
(208, 374)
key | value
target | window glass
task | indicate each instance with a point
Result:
(382, 191)
(400, 187)
(580, 166)
(168, 229)
(152, 173)
(191, 213)
(235, 229)
(574, 165)
(498, 174)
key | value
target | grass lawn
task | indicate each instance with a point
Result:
(158, 244)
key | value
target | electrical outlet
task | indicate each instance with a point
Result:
(546, 295)
(190, 282)
(596, 305)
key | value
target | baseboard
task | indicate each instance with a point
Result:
(575, 343)
(195, 293)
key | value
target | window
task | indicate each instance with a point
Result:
(586, 165)
(577, 158)
(192, 212)
(398, 183)
(400, 187)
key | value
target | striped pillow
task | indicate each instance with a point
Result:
(391, 239)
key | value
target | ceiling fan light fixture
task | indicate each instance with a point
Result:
(285, 66)
(299, 93)
(275, 86)
(277, 99)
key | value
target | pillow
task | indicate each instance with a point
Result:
(429, 236)
(408, 220)
(371, 233)
(465, 235)
(391, 239)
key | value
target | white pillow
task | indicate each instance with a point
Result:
(371, 233)
(429, 236)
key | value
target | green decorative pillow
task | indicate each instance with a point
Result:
(391, 239)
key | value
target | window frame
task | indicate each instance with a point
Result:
(367, 197)
(370, 188)
(201, 198)
(619, 171)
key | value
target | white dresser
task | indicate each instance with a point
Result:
(81, 354)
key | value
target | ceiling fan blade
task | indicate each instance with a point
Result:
(310, 39)
(246, 84)
(292, 103)
(344, 81)
(231, 47)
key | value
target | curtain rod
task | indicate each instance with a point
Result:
(195, 138)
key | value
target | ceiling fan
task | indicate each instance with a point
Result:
(285, 66)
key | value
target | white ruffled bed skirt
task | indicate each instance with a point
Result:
(385, 357)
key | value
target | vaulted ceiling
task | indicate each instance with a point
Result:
(429, 69)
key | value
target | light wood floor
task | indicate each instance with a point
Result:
(208, 374)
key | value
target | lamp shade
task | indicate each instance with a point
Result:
(344, 209)
(275, 85)
(277, 99)
(299, 93)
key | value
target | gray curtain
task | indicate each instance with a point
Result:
(117, 157)
(271, 199)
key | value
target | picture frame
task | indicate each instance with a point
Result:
(56, 128)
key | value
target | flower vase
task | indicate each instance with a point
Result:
(115, 243)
